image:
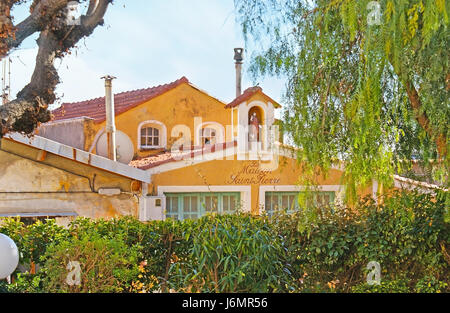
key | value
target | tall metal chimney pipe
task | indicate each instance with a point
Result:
(238, 57)
(110, 124)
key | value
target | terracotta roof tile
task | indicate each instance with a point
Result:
(167, 157)
(426, 185)
(124, 101)
(247, 94)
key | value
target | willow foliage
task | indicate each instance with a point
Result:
(368, 81)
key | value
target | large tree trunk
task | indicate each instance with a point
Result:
(56, 38)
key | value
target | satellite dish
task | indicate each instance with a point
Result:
(124, 147)
(9, 256)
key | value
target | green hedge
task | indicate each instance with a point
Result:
(330, 248)
(314, 250)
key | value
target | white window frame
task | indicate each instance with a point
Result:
(220, 132)
(337, 189)
(162, 134)
(210, 136)
(243, 123)
(246, 192)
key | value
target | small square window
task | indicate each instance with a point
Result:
(150, 137)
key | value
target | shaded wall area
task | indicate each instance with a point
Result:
(33, 182)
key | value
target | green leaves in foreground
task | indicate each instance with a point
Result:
(312, 250)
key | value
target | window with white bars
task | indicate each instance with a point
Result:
(180, 206)
(208, 136)
(275, 201)
(150, 137)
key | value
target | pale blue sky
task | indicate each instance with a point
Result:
(146, 43)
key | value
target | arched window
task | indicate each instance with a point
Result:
(255, 121)
(151, 134)
(209, 133)
(208, 136)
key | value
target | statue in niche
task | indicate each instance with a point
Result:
(254, 128)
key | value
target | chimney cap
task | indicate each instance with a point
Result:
(108, 77)
(238, 55)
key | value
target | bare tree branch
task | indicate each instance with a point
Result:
(56, 38)
(42, 14)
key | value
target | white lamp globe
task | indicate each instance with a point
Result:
(9, 256)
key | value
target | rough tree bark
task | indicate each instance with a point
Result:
(48, 17)
(423, 120)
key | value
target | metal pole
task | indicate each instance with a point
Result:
(238, 57)
(110, 124)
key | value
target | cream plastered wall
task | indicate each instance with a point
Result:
(33, 182)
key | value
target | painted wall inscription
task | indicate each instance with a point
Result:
(252, 174)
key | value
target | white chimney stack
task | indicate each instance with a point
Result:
(110, 124)
(238, 57)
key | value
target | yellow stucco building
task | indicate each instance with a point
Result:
(201, 154)
(181, 153)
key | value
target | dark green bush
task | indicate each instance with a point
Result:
(33, 240)
(429, 284)
(106, 265)
(387, 286)
(231, 253)
(407, 235)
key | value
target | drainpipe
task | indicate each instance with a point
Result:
(110, 124)
(238, 57)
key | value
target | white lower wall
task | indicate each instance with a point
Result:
(338, 189)
(246, 193)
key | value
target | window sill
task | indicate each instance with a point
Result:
(151, 148)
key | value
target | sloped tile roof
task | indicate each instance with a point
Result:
(95, 108)
(167, 157)
(247, 94)
(408, 181)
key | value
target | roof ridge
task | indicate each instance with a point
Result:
(253, 87)
(183, 79)
(248, 93)
(124, 101)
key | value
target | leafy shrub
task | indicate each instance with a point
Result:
(4, 287)
(388, 286)
(33, 240)
(330, 248)
(26, 283)
(312, 250)
(430, 284)
(231, 253)
(107, 265)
